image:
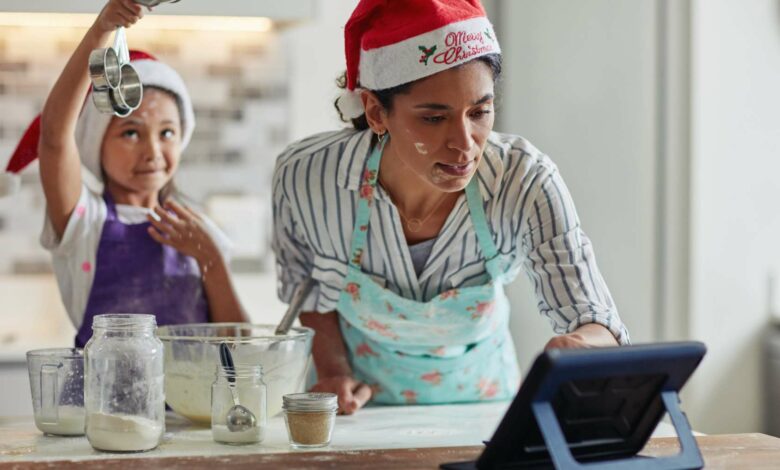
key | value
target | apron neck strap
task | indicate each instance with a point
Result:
(365, 201)
(367, 189)
(478, 218)
(110, 205)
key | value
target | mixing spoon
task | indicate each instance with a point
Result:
(293, 310)
(295, 307)
(239, 418)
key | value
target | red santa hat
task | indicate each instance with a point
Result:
(92, 124)
(392, 42)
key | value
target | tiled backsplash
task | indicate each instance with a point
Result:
(238, 82)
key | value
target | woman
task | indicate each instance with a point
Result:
(412, 222)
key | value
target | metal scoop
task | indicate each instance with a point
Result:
(239, 418)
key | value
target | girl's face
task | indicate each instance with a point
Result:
(140, 153)
(439, 129)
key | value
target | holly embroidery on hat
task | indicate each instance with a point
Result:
(427, 53)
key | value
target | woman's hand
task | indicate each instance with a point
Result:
(567, 341)
(183, 229)
(589, 335)
(352, 393)
(118, 13)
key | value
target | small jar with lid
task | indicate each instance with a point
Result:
(124, 399)
(310, 418)
(250, 391)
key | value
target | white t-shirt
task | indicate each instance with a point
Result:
(74, 256)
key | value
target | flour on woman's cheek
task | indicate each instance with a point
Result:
(421, 148)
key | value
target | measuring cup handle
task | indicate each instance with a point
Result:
(50, 393)
(120, 45)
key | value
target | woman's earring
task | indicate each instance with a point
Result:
(381, 138)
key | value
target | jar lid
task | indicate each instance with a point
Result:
(310, 402)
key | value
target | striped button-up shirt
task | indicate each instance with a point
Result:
(527, 204)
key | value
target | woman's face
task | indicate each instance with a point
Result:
(438, 129)
(140, 153)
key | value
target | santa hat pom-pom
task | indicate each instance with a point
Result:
(349, 104)
(9, 183)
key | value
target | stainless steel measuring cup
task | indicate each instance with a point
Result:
(123, 96)
(57, 388)
(128, 95)
(104, 68)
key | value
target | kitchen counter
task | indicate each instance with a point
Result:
(455, 431)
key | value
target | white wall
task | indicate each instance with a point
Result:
(316, 59)
(603, 87)
(580, 83)
(735, 202)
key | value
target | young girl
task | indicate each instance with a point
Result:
(131, 249)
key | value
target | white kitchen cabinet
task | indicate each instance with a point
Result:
(274, 9)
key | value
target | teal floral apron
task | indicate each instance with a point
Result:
(454, 348)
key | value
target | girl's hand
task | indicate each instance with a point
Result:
(181, 228)
(119, 13)
(352, 393)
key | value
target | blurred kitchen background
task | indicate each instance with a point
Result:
(663, 116)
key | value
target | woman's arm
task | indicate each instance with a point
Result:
(294, 264)
(334, 373)
(186, 232)
(560, 260)
(60, 166)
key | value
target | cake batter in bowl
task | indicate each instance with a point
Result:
(192, 353)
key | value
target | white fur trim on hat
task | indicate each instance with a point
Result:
(349, 104)
(92, 124)
(427, 54)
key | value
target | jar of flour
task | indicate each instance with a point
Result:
(124, 399)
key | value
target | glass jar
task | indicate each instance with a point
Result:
(247, 383)
(124, 397)
(310, 418)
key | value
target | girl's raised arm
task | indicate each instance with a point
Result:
(60, 166)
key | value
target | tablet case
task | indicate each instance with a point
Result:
(595, 408)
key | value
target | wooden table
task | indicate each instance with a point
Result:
(728, 451)
(375, 438)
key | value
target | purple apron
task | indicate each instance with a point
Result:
(135, 274)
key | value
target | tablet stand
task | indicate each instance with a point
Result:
(688, 458)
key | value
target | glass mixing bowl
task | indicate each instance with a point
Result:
(192, 355)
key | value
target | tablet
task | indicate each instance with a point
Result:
(601, 405)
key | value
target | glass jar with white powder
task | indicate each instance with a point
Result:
(246, 382)
(124, 398)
